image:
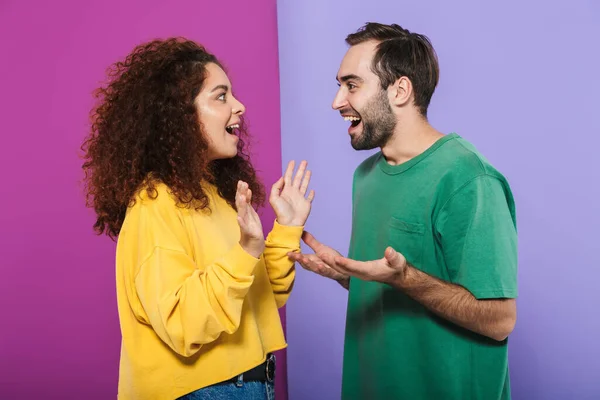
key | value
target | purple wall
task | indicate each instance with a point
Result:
(521, 81)
(59, 335)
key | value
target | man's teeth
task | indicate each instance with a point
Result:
(352, 119)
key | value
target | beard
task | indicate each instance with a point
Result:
(378, 121)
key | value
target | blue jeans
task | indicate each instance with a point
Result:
(240, 390)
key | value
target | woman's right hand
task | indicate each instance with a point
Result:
(252, 238)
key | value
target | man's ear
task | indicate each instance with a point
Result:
(401, 91)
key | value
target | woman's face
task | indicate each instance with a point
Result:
(219, 114)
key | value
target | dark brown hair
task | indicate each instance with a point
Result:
(145, 125)
(402, 53)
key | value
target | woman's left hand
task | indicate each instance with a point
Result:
(288, 196)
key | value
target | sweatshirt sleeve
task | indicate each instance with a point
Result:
(187, 305)
(280, 268)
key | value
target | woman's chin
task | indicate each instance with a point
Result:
(232, 153)
(224, 155)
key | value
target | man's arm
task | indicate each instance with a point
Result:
(494, 318)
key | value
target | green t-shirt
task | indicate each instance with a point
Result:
(452, 215)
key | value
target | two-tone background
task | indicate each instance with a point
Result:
(519, 79)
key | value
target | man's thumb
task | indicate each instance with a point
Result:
(391, 255)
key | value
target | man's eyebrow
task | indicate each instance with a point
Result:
(346, 78)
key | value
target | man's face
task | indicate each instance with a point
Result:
(362, 101)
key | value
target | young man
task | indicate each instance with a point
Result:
(432, 265)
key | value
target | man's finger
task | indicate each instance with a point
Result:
(311, 262)
(394, 259)
(348, 266)
(303, 259)
(322, 268)
(391, 256)
(314, 264)
(310, 241)
(304, 263)
(327, 259)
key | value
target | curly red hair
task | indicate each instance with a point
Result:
(145, 125)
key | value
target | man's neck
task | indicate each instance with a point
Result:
(409, 140)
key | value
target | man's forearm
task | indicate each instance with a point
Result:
(493, 318)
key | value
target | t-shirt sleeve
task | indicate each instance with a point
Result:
(478, 236)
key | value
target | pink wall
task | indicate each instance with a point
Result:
(59, 333)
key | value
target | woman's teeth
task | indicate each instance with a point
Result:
(231, 128)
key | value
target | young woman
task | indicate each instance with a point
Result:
(198, 286)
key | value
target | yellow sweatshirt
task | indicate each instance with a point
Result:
(194, 307)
